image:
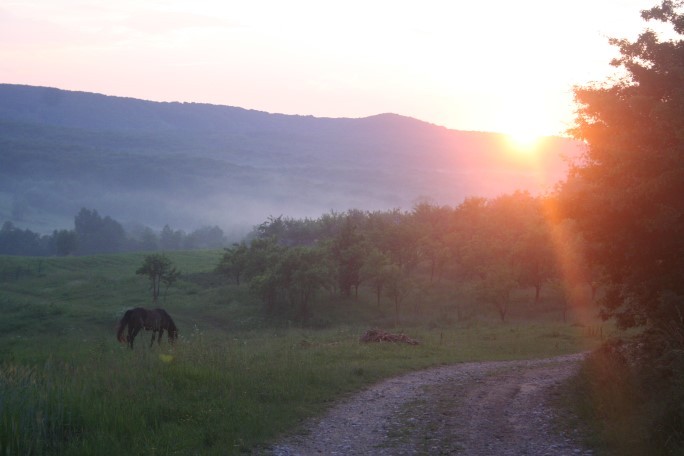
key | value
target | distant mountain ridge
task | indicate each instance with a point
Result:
(191, 164)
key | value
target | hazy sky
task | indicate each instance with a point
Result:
(496, 65)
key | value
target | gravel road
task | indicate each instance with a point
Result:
(474, 409)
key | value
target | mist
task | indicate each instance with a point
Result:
(192, 165)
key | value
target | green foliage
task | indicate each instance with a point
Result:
(234, 262)
(238, 377)
(626, 193)
(248, 370)
(348, 251)
(626, 198)
(375, 271)
(15, 241)
(290, 280)
(65, 242)
(632, 408)
(96, 234)
(397, 288)
(492, 248)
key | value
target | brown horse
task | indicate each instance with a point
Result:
(155, 320)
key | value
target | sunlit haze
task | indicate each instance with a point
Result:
(489, 66)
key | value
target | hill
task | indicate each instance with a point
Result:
(190, 164)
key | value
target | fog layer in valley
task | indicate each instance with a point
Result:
(190, 165)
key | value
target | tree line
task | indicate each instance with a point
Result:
(486, 248)
(93, 234)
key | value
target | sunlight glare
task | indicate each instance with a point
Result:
(525, 119)
(524, 141)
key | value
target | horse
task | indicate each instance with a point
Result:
(155, 320)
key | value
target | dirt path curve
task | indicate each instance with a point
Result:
(474, 409)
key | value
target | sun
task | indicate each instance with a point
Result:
(523, 141)
(524, 120)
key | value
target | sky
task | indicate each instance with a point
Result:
(496, 65)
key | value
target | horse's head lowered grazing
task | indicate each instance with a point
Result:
(155, 320)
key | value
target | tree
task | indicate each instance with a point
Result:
(307, 276)
(234, 261)
(496, 287)
(397, 287)
(159, 269)
(207, 237)
(170, 239)
(502, 244)
(348, 251)
(289, 279)
(534, 253)
(626, 197)
(432, 230)
(375, 271)
(262, 254)
(65, 242)
(96, 234)
(148, 240)
(15, 241)
(626, 193)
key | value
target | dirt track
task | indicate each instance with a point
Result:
(475, 409)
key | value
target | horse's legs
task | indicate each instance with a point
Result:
(161, 333)
(131, 335)
(153, 334)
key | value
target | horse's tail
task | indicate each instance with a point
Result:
(122, 325)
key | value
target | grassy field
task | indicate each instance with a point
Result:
(236, 379)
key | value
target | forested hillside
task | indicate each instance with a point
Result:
(192, 165)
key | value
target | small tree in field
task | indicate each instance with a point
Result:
(160, 270)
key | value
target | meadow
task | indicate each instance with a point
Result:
(237, 378)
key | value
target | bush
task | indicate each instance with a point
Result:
(633, 398)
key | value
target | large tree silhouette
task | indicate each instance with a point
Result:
(627, 194)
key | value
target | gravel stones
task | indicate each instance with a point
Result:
(475, 409)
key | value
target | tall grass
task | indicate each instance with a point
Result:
(235, 380)
(223, 395)
(634, 404)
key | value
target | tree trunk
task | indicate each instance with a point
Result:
(156, 283)
(502, 308)
(432, 270)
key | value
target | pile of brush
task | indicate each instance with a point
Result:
(378, 335)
